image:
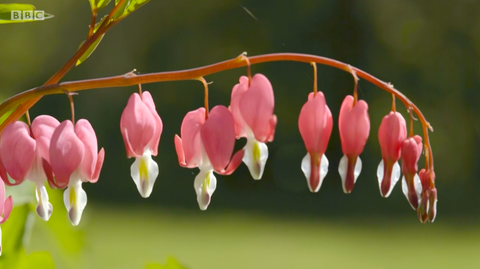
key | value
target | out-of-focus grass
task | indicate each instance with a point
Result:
(130, 238)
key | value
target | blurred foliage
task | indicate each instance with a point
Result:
(430, 50)
(171, 264)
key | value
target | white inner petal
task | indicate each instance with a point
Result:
(144, 172)
(380, 175)
(394, 177)
(307, 170)
(44, 208)
(343, 168)
(75, 200)
(255, 157)
(205, 184)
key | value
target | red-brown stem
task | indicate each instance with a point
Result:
(27, 115)
(92, 23)
(140, 89)
(411, 122)
(24, 106)
(315, 87)
(249, 69)
(393, 103)
(205, 96)
(195, 73)
(355, 87)
(72, 107)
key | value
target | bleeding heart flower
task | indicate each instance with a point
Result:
(141, 128)
(391, 134)
(315, 124)
(74, 160)
(22, 153)
(252, 109)
(208, 144)
(354, 127)
(411, 185)
(6, 206)
(427, 209)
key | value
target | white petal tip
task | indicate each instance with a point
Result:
(314, 178)
(44, 212)
(395, 176)
(205, 184)
(255, 157)
(144, 172)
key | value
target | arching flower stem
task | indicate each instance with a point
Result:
(27, 99)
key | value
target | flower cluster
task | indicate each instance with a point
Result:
(315, 125)
(66, 154)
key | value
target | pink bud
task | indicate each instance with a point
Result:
(410, 153)
(315, 124)
(391, 134)
(427, 210)
(140, 125)
(354, 128)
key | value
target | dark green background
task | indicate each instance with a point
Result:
(428, 49)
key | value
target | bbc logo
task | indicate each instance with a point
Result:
(27, 15)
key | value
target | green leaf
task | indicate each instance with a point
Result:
(7, 9)
(128, 7)
(92, 47)
(13, 230)
(98, 4)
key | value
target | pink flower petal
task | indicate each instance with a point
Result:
(2, 197)
(7, 209)
(237, 93)
(391, 134)
(139, 123)
(354, 126)
(98, 166)
(234, 163)
(66, 153)
(86, 134)
(17, 150)
(180, 151)
(191, 141)
(256, 106)
(315, 123)
(218, 137)
(148, 100)
(42, 129)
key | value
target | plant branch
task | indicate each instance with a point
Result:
(195, 73)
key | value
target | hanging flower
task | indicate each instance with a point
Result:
(6, 206)
(141, 128)
(315, 124)
(22, 153)
(354, 128)
(411, 185)
(74, 160)
(207, 144)
(391, 134)
(252, 109)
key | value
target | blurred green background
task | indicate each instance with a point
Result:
(429, 50)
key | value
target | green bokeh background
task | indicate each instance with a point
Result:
(430, 50)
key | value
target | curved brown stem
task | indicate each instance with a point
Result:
(189, 74)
